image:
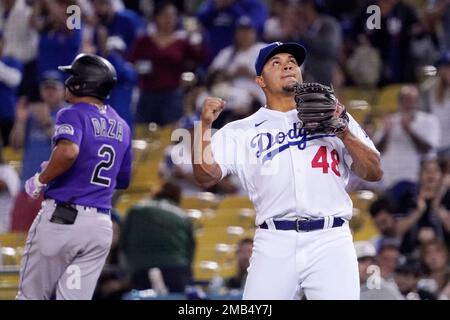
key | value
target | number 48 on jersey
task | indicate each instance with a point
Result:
(320, 160)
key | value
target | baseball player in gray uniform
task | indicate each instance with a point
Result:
(70, 238)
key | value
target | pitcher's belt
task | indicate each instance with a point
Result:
(305, 224)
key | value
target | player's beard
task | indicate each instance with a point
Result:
(289, 89)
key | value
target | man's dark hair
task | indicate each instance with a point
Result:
(162, 5)
(388, 245)
(409, 266)
(318, 5)
(169, 191)
(381, 204)
(423, 250)
(441, 164)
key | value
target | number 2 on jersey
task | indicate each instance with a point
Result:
(320, 160)
(108, 156)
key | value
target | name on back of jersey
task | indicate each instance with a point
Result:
(108, 128)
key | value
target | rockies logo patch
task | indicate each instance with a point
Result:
(64, 129)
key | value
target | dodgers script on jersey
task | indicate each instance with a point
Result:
(310, 171)
(105, 141)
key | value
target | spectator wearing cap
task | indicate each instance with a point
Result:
(405, 137)
(219, 18)
(114, 48)
(373, 286)
(236, 62)
(10, 78)
(32, 132)
(439, 100)
(176, 165)
(118, 22)
(406, 276)
(160, 57)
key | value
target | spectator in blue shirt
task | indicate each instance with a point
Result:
(113, 48)
(58, 45)
(219, 18)
(125, 23)
(32, 132)
(10, 77)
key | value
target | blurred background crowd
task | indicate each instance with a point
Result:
(392, 71)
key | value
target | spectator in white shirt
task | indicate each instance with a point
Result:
(405, 137)
(20, 37)
(9, 187)
(440, 100)
(21, 42)
(237, 60)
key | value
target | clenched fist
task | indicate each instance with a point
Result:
(212, 107)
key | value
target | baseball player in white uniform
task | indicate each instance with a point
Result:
(296, 181)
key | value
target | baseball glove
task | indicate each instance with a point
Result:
(318, 109)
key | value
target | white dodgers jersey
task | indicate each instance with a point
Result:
(286, 173)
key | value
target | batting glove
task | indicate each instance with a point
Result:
(33, 187)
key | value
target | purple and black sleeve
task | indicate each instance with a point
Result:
(68, 126)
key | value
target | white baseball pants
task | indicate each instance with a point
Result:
(321, 264)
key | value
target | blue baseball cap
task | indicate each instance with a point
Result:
(298, 51)
(245, 22)
(52, 77)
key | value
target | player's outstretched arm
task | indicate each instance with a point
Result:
(206, 170)
(62, 158)
(366, 162)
